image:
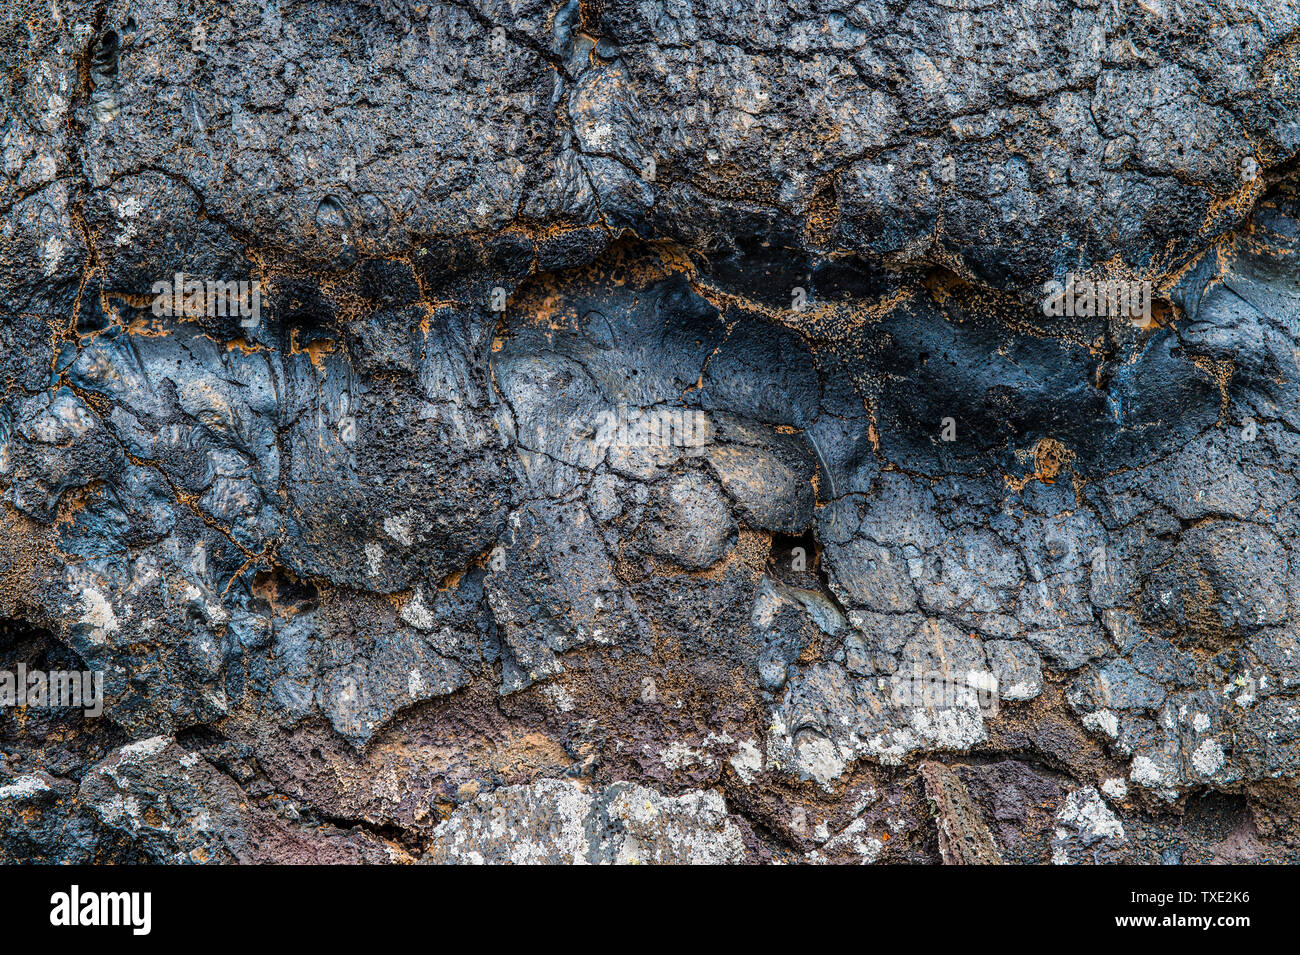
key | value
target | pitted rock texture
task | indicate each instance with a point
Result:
(650, 444)
(556, 821)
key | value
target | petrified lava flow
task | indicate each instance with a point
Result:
(622, 432)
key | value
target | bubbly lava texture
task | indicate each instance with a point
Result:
(647, 431)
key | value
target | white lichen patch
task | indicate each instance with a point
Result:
(92, 609)
(678, 755)
(416, 612)
(143, 749)
(747, 761)
(401, 527)
(853, 838)
(97, 614)
(1157, 776)
(374, 557)
(1102, 721)
(1083, 821)
(560, 698)
(1207, 758)
(819, 759)
(51, 255)
(561, 822)
(127, 208)
(1087, 812)
(24, 787)
(1116, 788)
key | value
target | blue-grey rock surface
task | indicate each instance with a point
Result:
(643, 431)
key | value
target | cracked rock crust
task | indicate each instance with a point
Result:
(583, 490)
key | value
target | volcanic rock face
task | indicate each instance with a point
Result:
(636, 431)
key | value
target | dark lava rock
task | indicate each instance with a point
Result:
(633, 432)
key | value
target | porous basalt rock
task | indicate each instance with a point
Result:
(649, 443)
